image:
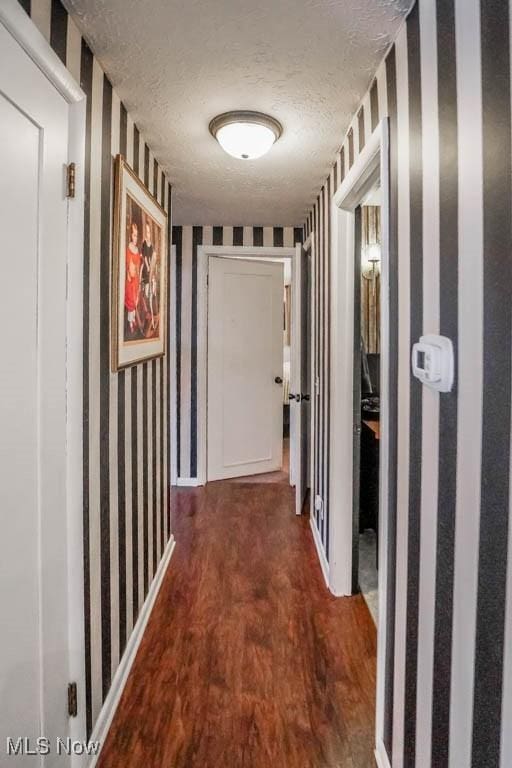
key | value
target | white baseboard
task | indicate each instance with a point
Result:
(381, 756)
(320, 551)
(188, 482)
(118, 683)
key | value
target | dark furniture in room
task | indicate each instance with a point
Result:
(369, 465)
(369, 476)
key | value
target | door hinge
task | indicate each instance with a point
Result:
(72, 700)
(71, 174)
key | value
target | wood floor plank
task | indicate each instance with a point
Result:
(247, 660)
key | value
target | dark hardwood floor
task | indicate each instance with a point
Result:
(247, 661)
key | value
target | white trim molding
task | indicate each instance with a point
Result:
(74, 407)
(381, 756)
(324, 565)
(371, 166)
(109, 708)
(171, 362)
(309, 247)
(25, 32)
(203, 254)
(188, 482)
(349, 195)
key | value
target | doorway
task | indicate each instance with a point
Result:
(281, 421)
(368, 173)
(42, 127)
(367, 258)
(298, 393)
(245, 367)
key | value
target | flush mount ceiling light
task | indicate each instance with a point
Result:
(245, 135)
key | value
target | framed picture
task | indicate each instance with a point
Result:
(139, 270)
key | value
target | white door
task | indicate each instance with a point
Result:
(33, 557)
(300, 384)
(245, 367)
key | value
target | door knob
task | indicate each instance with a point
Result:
(304, 397)
(294, 397)
(278, 380)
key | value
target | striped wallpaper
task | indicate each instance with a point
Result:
(126, 437)
(186, 240)
(318, 228)
(445, 86)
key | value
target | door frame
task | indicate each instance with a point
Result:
(203, 254)
(309, 249)
(26, 34)
(372, 163)
(173, 368)
(275, 270)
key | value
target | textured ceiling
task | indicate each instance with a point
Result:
(178, 63)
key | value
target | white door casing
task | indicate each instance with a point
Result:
(372, 164)
(300, 378)
(203, 254)
(42, 122)
(33, 220)
(245, 355)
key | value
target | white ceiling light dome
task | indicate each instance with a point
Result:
(245, 135)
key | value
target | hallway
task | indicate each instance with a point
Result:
(247, 661)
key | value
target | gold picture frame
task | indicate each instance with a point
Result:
(139, 296)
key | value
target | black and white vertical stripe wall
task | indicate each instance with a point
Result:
(126, 437)
(445, 87)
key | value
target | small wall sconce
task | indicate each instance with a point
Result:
(370, 266)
